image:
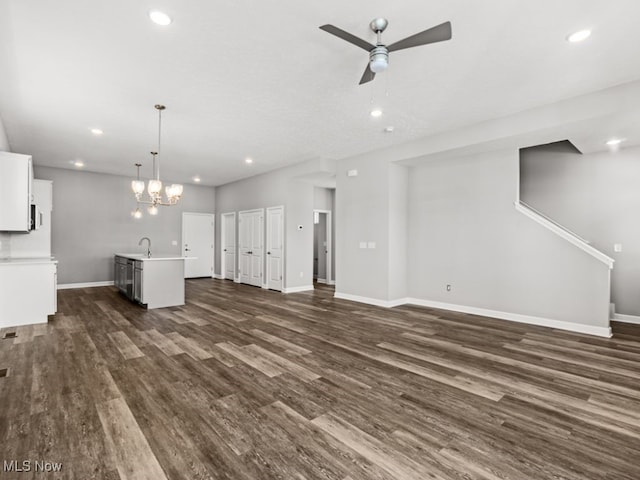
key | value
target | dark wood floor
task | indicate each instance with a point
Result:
(243, 383)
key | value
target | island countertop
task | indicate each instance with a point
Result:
(153, 258)
(27, 260)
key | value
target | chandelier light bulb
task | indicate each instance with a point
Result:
(137, 186)
(137, 214)
(155, 187)
(153, 210)
(176, 190)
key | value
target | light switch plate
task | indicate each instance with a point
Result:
(371, 245)
(363, 244)
(174, 242)
(352, 173)
(617, 247)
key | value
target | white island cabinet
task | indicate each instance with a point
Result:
(28, 290)
(156, 281)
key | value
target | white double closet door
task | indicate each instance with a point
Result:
(251, 248)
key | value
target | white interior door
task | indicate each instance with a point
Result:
(275, 247)
(197, 241)
(228, 254)
(251, 247)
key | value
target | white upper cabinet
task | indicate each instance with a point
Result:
(16, 179)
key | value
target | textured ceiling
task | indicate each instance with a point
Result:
(246, 78)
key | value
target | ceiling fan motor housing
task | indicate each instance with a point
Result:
(379, 59)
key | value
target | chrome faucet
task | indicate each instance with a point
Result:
(148, 245)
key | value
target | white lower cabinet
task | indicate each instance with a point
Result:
(28, 291)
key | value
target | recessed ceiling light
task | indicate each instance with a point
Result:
(375, 113)
(96, 131)
(196, 179)
(615, 141)
(248, 160)
(389, 129)
(78, 163)
(579, 36)
(159, 18)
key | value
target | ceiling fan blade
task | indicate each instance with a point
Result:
(358, 42)
(367, 76)
(435, 34)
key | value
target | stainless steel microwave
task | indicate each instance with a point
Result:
(36, 217)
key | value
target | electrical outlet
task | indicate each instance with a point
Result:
(448, 288)
(617, 247)
(174, 242)
(301, 274)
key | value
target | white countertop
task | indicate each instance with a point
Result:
(27, 261)
(153, 258)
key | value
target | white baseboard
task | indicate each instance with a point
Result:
(516, 317)
(513, 317)
(37, 320)
(371, 301)
(321, 280)
(304, 288)
(265, 286)
(66, 286)
(620, 317)
(331, 282)
(218, 276)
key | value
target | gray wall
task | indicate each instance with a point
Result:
(398, 230)
(4, 142)
(597, 196)
(362, 215)
(92, 220)
(464, 231)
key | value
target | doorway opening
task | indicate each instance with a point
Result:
(322, 248)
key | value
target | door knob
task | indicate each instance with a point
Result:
(225, 250)
(268, 253)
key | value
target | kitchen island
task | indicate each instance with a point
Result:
(154, 282)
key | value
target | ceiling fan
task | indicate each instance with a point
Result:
(379, 53)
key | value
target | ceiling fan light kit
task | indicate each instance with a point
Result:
(379, 53)
(173, 192)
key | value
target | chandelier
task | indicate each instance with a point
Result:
(173, 192)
